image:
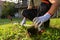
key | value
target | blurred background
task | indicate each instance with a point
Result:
(16, 7)
(11, 16)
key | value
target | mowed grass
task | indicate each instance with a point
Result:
(11, 30)
(55, 23)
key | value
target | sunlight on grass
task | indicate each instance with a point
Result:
(55, 22)
(11, 30)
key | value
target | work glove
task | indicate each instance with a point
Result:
(38, 21)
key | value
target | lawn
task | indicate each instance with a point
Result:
(11, 30)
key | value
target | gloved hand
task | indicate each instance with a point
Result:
(38, 21)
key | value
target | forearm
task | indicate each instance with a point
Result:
(53, 9)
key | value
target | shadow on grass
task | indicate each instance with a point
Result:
(7, 21)
(3, 21)
(49, 34)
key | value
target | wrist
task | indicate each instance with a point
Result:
(46, 17)
(48, 14)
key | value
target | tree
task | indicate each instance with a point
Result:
(8, 9)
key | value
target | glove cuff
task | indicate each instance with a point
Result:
(46, 17)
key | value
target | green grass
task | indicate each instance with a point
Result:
(11, 30)
(55, 23)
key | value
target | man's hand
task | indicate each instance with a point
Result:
(38, 21)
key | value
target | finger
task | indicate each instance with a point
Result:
(34, 19)
(38, 22)
(36, 26)
(39, 26)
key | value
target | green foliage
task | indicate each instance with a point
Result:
(13, 31)
(8, 8)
